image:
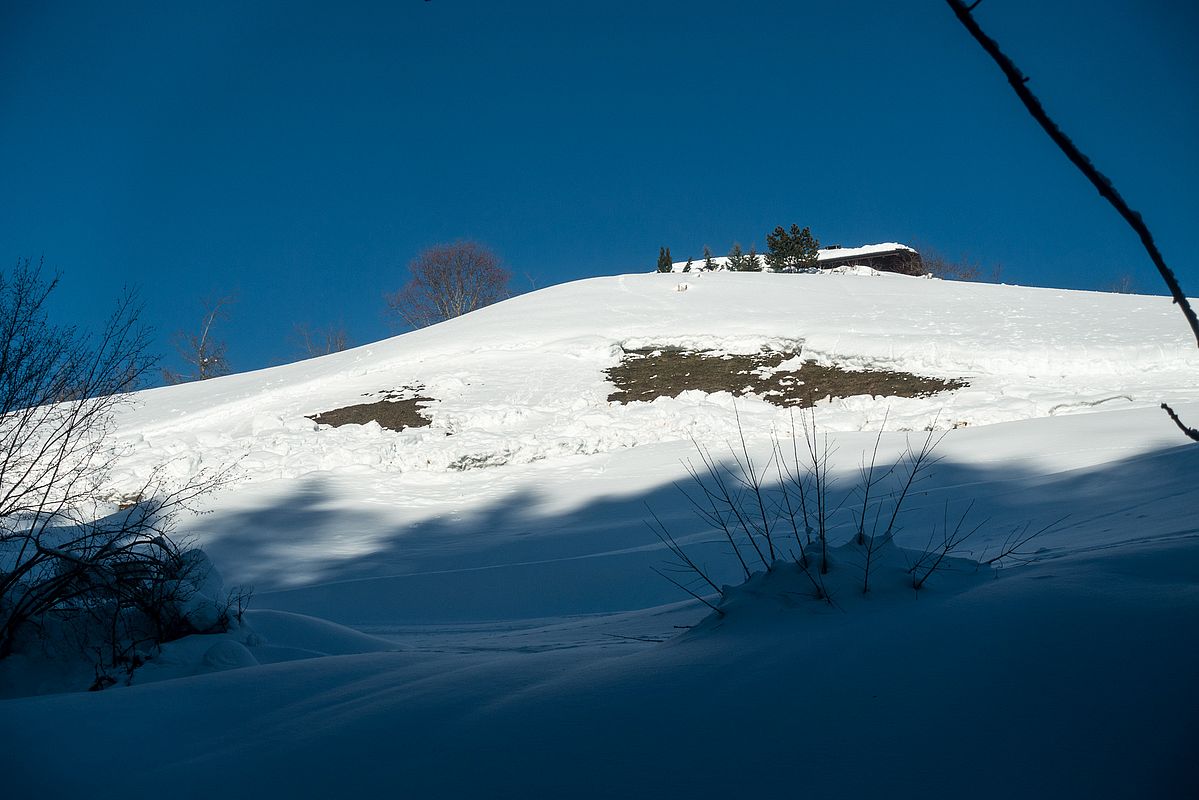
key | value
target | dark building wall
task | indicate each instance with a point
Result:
(906, 262)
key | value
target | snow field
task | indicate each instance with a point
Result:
(523, 380)
(507, 637)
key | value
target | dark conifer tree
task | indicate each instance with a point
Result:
(805, 246)
(791, 251)
(753, 261)
(736, 258)
(664, 259)
(778, 249)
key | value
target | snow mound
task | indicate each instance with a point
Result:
(861, 578)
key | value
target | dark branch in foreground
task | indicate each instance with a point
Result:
(1106, 190)
(1191, 432)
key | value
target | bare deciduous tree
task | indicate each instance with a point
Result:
(202, 351)
(449, 280)
(313, 342)
(60, 560)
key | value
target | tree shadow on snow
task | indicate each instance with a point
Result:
(512, 559)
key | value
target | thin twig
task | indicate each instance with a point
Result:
(678, 552)
(1017, 539)
(705, 601)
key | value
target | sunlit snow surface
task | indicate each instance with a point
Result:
(517, 595)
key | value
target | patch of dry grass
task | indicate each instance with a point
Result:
(649, 373)
(397, 411)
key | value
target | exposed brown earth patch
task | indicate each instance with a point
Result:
(396, 412)
(665, 372)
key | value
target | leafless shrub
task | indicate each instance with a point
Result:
(933, 556)
(871, 478)
(117, 579)
(963, 268)
(911, 264)
(805, 498)
(1121, 284)
(312, 342)
(202, 351)
(58, 390)
(449, 280)
(782, 512)
(111, 588)
(1013, 551)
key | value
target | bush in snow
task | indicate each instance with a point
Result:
(777, 516)
(112, 591)
(963, 268)
(108, 583)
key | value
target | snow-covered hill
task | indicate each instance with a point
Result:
(494, 569)
(523, 380)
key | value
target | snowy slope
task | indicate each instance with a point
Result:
(520, 609)
(522, 383)
(523, 380)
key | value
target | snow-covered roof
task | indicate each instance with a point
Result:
(865, 250)
(826, 254)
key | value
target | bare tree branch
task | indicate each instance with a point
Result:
(1191, 432)
(705, 601)
(1019, 83)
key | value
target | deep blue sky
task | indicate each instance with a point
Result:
(300, 155)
